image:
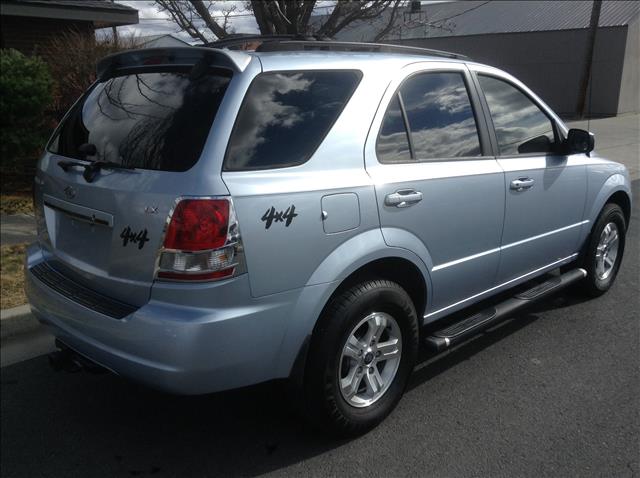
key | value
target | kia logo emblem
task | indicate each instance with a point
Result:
(69, 192)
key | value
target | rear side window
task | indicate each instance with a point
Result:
(149, 120)
(285, 116)
(441, 121)
(521, 126)
(393, 140)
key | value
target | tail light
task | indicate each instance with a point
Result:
(202, 242)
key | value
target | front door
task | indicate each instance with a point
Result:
(545, 191)
(438, 188)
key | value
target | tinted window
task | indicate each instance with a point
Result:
(393, 142)
(154, 120)
(285, 116)
(521, 127)
(440, 116)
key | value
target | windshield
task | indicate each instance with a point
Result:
(149, 120)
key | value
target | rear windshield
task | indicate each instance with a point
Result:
(151, 120)
(285, 116)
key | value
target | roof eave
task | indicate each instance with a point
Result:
(100, 18)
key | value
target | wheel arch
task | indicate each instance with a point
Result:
(368, 257)
(622, 199)
(615, 189)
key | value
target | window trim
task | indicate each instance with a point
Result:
(225, 169)
(557, 132)
(476, 108)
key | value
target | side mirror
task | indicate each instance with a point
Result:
(579, 141)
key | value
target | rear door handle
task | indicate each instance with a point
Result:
(403, 198)
(521, 184)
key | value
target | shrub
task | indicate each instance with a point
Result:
(25, 95)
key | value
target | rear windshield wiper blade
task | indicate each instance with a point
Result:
(66, 165)
(91, 169)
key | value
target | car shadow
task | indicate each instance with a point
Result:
(116, 427)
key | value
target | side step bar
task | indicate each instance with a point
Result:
(469, 326)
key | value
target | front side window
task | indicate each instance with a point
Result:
(285, 116)
(149, 120)
(439, 116)
(520, 125)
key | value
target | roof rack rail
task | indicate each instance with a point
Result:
(242, 39)
(330, 45)
(302, 42)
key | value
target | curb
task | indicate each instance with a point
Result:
(17, 320)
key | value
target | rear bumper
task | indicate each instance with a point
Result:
(188, 339)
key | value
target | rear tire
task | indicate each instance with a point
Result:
(350, 384)
(604, 251)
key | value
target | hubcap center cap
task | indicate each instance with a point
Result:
(368, 358)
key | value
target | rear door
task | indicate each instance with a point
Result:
(544, 190)
(105, 231)
(436, 180)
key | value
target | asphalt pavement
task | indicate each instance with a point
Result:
(552, 392)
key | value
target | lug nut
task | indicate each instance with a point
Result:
(359, 369)
(370, 370)
(378, 353)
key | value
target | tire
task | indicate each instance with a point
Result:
(358, 314)
(599, 280)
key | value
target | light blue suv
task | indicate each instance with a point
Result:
(211, 218)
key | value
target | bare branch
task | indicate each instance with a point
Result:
(390, 24)
(202, 10)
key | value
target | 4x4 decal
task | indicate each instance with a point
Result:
(127, 235)
(271, 216)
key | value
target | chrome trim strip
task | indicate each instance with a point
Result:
(507, 246)
(502, 285)
(465, 259)
(81, 213)
(539, 236)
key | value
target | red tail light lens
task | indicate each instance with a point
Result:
(202, 242)
(198, 225)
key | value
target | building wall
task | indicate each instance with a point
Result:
(31, 35)
(551, 63)
(629, 101)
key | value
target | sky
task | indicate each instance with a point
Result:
(155, 22)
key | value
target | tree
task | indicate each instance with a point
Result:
(277, 17)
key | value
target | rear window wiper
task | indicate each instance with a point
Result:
(91, 169)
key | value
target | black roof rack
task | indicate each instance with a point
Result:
(303, 43)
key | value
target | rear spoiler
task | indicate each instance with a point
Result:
(180, 56)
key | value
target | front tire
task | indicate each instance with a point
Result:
(603, 253)
(360, 358)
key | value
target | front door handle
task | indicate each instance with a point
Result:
(522, 184)
(403, 198)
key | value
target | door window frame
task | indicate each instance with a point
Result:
(559, 129)
(484, 138)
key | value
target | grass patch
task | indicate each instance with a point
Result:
(16, 203)
(12, 276)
